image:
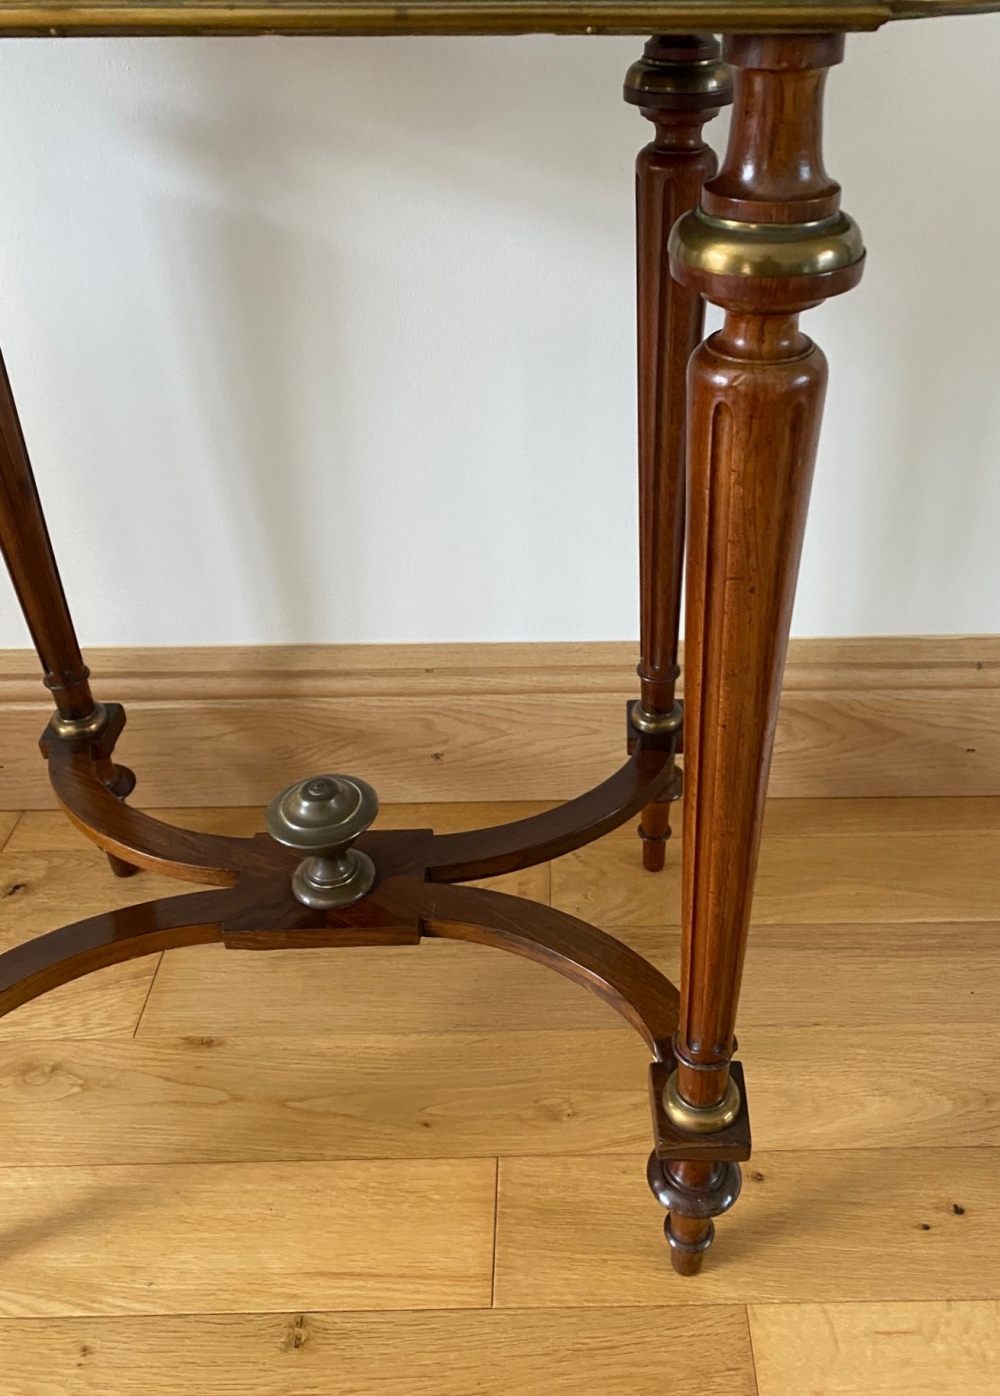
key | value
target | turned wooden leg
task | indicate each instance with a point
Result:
(767, 242)
(678, 85)
(27, 551)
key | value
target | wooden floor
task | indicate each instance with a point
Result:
(420, 1171)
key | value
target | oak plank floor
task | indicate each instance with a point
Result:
(945, 875)
(813, 1225)
(693, 1352)
(8, 822)
(945, 1349)
(418, 1171)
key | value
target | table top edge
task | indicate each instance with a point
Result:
(138, 18)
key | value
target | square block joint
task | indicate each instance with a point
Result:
(731, 1144)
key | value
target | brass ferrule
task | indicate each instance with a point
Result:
(700, 1119)
(75, 729)
(656, 724)
(722, 247)
(680, 74)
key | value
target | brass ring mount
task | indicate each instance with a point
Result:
(656, 724)
(700, 1119)
(79, 729)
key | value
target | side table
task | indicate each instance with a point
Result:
(730, 423)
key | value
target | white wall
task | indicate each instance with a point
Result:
(333, 339)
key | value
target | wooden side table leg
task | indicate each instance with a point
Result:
(678, 85)
(27, 551)
(767, 242)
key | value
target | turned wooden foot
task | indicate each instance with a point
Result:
(654, 830)
(654, 825)
(119, 866)
(693, 1194)
(121, 782)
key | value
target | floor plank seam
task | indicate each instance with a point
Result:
(272, 1163)
(377, 1315)
(496, 1222)
(10, 832)
(142, 1010)
(753, 1354)
(606, 1305)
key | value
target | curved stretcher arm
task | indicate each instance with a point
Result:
(507, 847)
(32, 969)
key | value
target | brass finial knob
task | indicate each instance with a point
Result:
(322, 816)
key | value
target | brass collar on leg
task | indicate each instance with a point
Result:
(77, 729)
(656, 724)
(700, 1119)
(723, 247)
(678, 73)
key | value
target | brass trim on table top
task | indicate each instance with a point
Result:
(148, 17)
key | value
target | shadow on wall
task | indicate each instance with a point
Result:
(907, 503)
(289, 138)
(333, 339)
(372, 302)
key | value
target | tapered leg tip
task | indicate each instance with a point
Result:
(120, 868)
(686, 1264)
(121, 782)
(654, 854)
(689, 1242)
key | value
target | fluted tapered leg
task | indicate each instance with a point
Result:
(678, 84)
(767, 242)
(27, 551)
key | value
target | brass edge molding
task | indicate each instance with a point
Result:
(472, 17)
(140, 17)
